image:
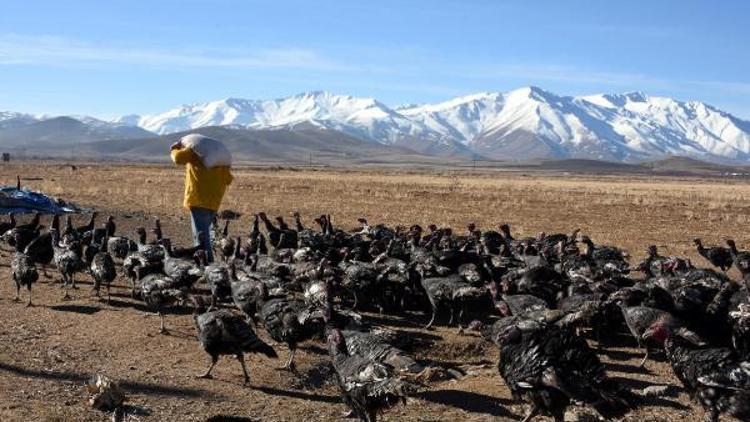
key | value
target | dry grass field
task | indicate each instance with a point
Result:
(48, 351)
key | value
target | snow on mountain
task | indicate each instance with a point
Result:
(627, 126)
(462, 118)
(524, 123)
(520, 124)
(361, 117)
(9, 119)
(663, 125)
(13, 119)
(127, 120)
(7, 115)
(18, 129)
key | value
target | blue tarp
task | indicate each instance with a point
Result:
(21, 201)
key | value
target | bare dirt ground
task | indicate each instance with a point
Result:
(48, 351)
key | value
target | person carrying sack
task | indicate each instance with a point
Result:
(207, 174)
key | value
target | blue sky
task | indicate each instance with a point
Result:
(107, 58)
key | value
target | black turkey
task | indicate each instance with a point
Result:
(308, 237)
(741, 259)
(224, 243)
(292, 239)
(716, 378)
(517, 304)
(21, 235)
(253, 242)
(70, 237)
(7, 225)
(221, 332)
(367, 386)
(530, 320)
(377, 345)
(40, 250)
(653, 265)
(136, 265)
(119, 246)
(103, 269)
(608, 259)
(151, 252)
(583, 310)
(88, 227)
(640, 318)
(280, 318)
(513, 242)
(452, 292)
(67, 261)
(185, 272)
(360, 280)
(218, 277)
(110, 227)
(718, 256)
(279, 237)
(552, 367)
(247, 293)
(317, 292)
(24, 273)
(543, 282)
(160, 292)
(492, 332)
(147, 258)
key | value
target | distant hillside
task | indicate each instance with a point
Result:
(594, 166)
(299, 145)
(667, 166)
(687, 164)
(62, 131)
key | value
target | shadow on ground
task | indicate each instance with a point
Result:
(79, 309)
(298, 395)
(132, 386)
(469, 402)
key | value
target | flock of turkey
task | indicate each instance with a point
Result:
(537, 298)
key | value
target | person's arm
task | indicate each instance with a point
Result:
(180, 155)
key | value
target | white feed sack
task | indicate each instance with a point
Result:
(211, 152)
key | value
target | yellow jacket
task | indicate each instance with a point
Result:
(204, 187)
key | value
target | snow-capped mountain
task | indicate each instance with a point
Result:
(364, 118)
(520, 124)
(525, 123)
(532, 122)
(660, 125)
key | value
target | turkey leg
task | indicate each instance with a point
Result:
(241, 358)
(207, 374)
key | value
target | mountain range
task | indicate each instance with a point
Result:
(523, 124)
(39, 132)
